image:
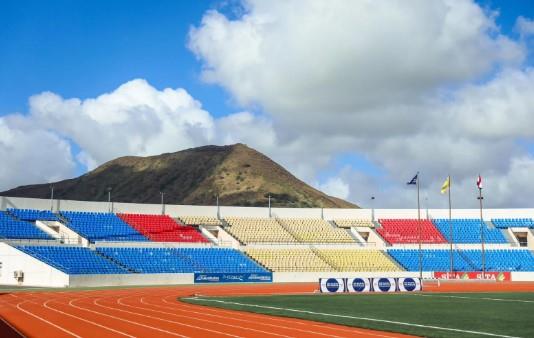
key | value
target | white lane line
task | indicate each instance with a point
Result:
(124, 320)
(354, 317)
(44, 320)
(259, 316)
(85, 320)
(205, 320)
(163, 320)
(475, 298)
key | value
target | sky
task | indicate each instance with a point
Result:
(353, 97)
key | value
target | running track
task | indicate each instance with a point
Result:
(156, 312)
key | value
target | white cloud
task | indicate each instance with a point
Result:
(524, 26)
(336, 187)
(31, 155)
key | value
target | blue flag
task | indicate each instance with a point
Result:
(414, 180)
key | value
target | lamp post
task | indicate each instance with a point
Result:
(51, 197)
(218, 207)
(162, 203)
(482, 235)
(372, 208)
(269, 205)
(109, 199)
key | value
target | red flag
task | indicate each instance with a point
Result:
(479, 182)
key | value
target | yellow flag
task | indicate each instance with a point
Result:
(446, 185)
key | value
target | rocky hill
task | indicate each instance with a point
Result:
(241, 176)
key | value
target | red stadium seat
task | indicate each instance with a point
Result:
(396, 231)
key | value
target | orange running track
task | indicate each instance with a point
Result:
(156, 312)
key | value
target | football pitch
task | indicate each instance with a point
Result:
(422, 314)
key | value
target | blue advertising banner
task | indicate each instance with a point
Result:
(264, 277)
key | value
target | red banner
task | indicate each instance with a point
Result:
(496, 276)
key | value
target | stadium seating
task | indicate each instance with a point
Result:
(396, 231)
(433, 260)
(182, 260)
(501, 260)
(11, 228)
(315, 231)
(503, 223)
(258, 230)
(33, 215)
(162, 228)
(289, 260)
(200, 220)
(358, 260)
(97, 226)
(73, 260)
(348, 223)
(468, 231)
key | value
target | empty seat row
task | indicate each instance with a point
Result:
(11, 228)
(33, 215)
(315, 231)
(258, 230)
(503, 223)
(348, 223)
(201, 220)
(358, 260)
(396, 231)
(468, 231)
(162, 228)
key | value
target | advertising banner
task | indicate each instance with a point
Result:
(384, 285)
(332, 285)
(409, 284)
(496, 276)
(358, 285)
(266, 277)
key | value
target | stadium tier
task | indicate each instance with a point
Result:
(162, 228)
(468, 231)
(504, 223)
(465, 260)
(33, 215)
(258, 230)
(396, 231)
(11, 228)
(289, 260)
(73, 260)
(358, 260)
(97, 226)
(182, 260)
(200, 220)
(315, 231)
(348, 223)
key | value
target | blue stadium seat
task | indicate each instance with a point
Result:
(182, 260)
(468, 231)
(73, 260)
(11, 228)
(96, 226)
(33, 215)
(504, 223)
(465, 260)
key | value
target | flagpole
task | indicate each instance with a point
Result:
(450, 228)
(482, 234)
(419, 229)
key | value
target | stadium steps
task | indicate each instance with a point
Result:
(467, 260)
(324, 259)
(114, 261)
(286, 228)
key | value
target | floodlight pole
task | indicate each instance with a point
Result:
(419, 228)
(450, 228)
(482, 234)
(51, 197)
(269, 205)
(109, 199)
(162, 203)
(218, 208)
(372, 209)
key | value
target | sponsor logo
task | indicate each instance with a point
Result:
(409, 284)
(207, 278)
(259, 277)
(384, 284)
(332, 285)
(358, 284)
(239, 278)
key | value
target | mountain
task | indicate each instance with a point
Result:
(241, 176)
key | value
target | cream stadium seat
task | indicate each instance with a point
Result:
(316, 231)
(348, 223)
(258, 230)
(289, 259)
(200, 220)
(358, 260)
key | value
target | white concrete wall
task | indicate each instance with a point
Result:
(299, 277)
(131, 279)
(36, 273)
(522, 276)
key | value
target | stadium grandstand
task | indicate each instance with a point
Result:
(139, 244)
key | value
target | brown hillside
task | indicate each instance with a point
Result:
(240, 175)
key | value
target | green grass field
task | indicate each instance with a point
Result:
(429, 314)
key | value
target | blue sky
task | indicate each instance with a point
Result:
(83, 49)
